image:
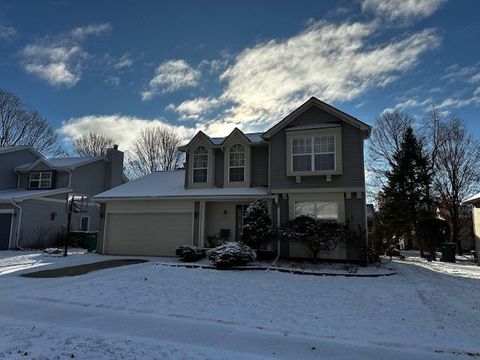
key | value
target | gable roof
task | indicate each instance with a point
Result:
(60, 163)
(313, 101)
(475, 199)
(253, 138)
(10, 149)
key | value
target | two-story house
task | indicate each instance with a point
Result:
(309, 163)
(34, 192)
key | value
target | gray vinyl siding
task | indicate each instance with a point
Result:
(259, 166)
(89, 179)
(219, 168)
(355, 215)
(352, 156)
(284, 245)
(186, 169)
(8, 161)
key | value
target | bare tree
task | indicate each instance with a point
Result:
(385, 141)
(22, 125)
(93, 144)
(155, 148)
(456, 172)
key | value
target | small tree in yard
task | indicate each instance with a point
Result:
(315, 235)
(257, 225)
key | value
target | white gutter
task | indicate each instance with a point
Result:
(19, 222)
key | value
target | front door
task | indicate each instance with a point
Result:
(5, 230)
(239, 214)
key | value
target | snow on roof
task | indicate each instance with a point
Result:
(61, 163)
(72, 161)
(253, 137)
(24, 194)
(474, 199)
(170, 184)
(9, 149)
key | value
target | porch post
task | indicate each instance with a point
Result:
(201, 227)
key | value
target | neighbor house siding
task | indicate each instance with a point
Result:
(476, 229)
(259, 165)
(8, 161)
(89, 179)
(352, 156)
(355, 217)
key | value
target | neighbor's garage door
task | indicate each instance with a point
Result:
(155, 234)
(5, 230)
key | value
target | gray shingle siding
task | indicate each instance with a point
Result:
(352, 156)
(259, 166)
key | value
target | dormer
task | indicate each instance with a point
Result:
(237, 160)
(200, 162)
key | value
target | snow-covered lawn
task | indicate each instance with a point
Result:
(153, 311)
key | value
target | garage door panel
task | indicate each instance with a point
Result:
(156, 234)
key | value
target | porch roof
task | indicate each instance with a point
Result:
(170, 184)
(9, 195)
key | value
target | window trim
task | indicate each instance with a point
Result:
(40, 179)
(336, 132)
(88, 222)
(244, 167)
(200, 168)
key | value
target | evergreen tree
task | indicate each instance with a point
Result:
(257, 224)
(405, 199)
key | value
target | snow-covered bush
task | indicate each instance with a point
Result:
(315, 235)
(190, 253)
(231, 254)
(257, 225)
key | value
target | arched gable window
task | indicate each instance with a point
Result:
(200, 165)
(236, 163)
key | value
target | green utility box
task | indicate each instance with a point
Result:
(84, 239)
(448, 252)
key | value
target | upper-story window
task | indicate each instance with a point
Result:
(200, 165)
(313, 153)
(40, 180)
(236, 163)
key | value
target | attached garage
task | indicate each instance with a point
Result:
(149, 227)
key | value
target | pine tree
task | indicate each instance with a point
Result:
(405, 199)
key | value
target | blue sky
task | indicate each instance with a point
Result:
(116, 67)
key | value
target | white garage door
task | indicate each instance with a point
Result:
(154, 234)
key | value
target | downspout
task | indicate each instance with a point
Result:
(17, 246)
(278, 225)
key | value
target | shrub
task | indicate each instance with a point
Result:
(314, 234)
(257, 225)
(231, 254)
(190, 253)
(431, 233)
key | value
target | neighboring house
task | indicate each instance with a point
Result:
(371, 219)
(310, 163)
(34, 191)
(475, 202)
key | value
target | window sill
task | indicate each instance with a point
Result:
(314, 173)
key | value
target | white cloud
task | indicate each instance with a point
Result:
(194, 109)
(332, 62)
(7, 32)
(123, 62)
(59, 63)
(171, 76)
(122, 127)
(470, 74)
(472, 100)
(92, 29)
(402, 9)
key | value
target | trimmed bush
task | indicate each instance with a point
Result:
(257, 225)
(190, 253)
(231, 254)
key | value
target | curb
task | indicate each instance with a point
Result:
(273, 268)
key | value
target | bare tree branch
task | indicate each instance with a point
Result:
(156, 148)
(93, 144)
(22, 125)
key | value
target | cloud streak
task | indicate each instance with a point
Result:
(404, 10)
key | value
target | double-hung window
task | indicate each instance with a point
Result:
(236, 164)
(313, 153)
(40, 180)
(200, 165)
